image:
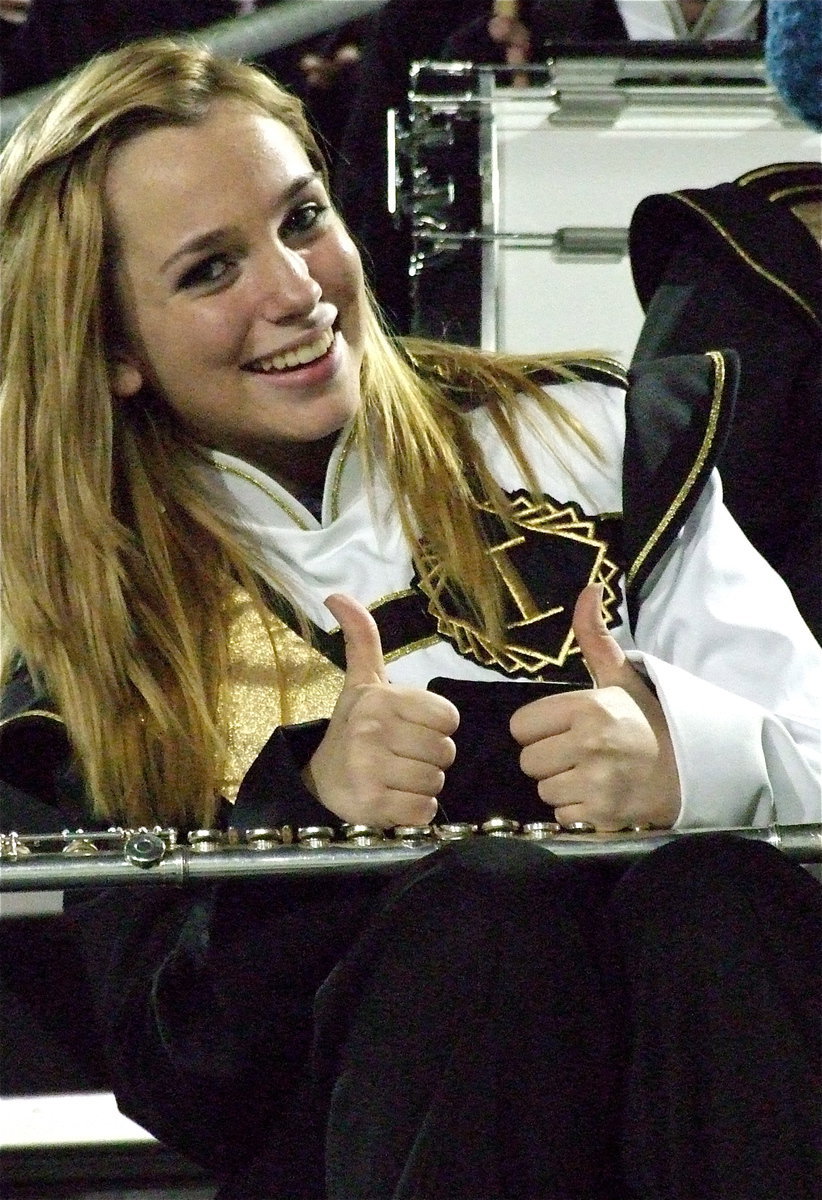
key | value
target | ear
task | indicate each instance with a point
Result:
(125, 376)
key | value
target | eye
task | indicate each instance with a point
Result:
(304, 218)
(208, 272)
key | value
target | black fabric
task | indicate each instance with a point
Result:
(678, 414)
(742, 270)
(490, 1022)
(748, 223)
(48, 1039)
(272, 791)
(485, 779)
(720, 942)
(58, 35)
(491, 1061)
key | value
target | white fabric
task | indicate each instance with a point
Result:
(657, 20)
(736, 669)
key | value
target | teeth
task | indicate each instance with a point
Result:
(296, 358)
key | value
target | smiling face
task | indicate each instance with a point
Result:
(241, 295)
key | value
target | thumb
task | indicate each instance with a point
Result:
(363, 648)
(603, 656)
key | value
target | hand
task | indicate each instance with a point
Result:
(603, 755)
(384, 756)
(511, 33)
(508, 30)
(321, 72)
(16, 12)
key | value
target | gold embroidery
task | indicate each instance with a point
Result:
(250, 704)
(707, 441)
(538, 632)
(401, 651)
(409, 647)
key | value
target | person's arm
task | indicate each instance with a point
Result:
(709, 718)
(738, 675)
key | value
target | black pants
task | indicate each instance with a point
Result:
(511, 1026)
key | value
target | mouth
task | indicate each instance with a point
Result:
(290, 360)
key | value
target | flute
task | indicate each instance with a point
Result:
(115, 857)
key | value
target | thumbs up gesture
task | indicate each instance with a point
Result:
(384, 755)
(603, 755)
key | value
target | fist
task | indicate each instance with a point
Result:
(386, 750)
(604, 755)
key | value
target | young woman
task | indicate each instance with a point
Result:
(243, 531)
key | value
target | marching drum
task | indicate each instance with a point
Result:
(519, 198)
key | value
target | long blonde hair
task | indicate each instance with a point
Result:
(117, 569)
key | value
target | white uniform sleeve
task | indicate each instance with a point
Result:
(743, 700)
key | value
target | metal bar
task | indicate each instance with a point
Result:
(283, 24)
(490, 217)
(576, 240)
(254, 36)
(181, 865)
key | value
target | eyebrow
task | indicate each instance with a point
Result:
(216, 237)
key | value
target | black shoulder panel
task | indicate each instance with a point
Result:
(678, 412)
(749, 221)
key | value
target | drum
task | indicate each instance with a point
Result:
(519, 198)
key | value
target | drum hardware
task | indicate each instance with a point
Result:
(38, 862)
(536, 173)
(442, 171)
(572, 241)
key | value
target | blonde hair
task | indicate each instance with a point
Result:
(116, 567)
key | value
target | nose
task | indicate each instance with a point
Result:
(288, 290)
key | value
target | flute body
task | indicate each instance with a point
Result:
(151, 858)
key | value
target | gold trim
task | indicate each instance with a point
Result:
(513, 656)
(30, 713)
(746, 258)
(772, 169)
(710, 431)
(281, 504)
(813, 188)
(391, 596)
(432, 640)
(378, 604)
(336, 485)
(608, 366)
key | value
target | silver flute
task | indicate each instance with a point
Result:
(117, 856)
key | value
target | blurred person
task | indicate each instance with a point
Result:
(516, 32)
